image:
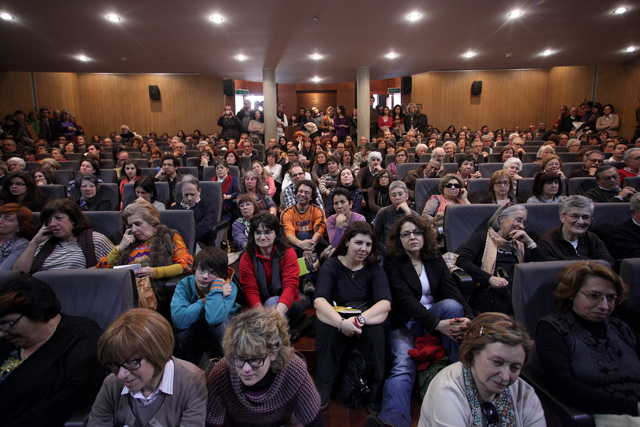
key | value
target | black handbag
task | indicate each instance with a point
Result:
(354, 388)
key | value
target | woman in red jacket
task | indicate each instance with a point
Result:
(269, 271)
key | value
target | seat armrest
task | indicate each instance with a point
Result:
(465, 282)
(79, 418)
(221, 226)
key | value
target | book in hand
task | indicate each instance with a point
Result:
(134, 267)
(306, 268)
(347, 310)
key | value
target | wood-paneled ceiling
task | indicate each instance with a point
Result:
(168, 36)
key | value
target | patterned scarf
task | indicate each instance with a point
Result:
(503, 403)
(6, 248)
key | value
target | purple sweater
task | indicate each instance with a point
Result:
(335, 234)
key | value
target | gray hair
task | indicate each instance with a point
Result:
(86, 177)
(485, 138)
(572, 140)
(635, 202)
(18, 160)
(627, 154)
(503, 212)
(421, 146)
(398, 184)
(375, 154)
(576, 202)
(515, 160)
(544, 147)
(190, 179)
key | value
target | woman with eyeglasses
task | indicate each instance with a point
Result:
(500, 189)
(48, 363)
(147, 385)
(572, 240)
(452, 192)
(269, 270)
(590, 358)
(261, 380)
(426, 301)
(21, 188)
(489, 255)
(484, 388)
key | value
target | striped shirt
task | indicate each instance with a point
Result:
(70, 256)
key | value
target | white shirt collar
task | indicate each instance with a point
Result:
(166, 386)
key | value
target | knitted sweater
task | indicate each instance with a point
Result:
(291, 399)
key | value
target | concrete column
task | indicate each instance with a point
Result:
(363, 92)
(270, 100)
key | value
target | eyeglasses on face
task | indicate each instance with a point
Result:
(6, 326)
(416, 233)
(130, 365)
(254, 362)
(265, 233)
(597, 297)
(452, 185)
(575, 217)
(502, 183)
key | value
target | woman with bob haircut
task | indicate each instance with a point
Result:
(547, 188)
(147, 386)
(501, 191)
(426, 301)
(490, 254)
(48, 363)
(269, 270)
(352, 277)
(16, 226)
(251, 184)
(44, 177)
(65, 241)
(158, 249)
(145, 189)
(590, 358)
(21, 188)
(484, 388)
(89, 200)
(506, 153)
(261, 380)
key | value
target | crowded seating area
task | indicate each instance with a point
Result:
(431, 276)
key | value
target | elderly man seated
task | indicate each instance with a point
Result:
(367, 175)
(430, 170)
(632, 160)
(625, 239)
(593, 160)
(400, 206)
(608, 189)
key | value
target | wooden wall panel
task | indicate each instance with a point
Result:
(346, 96)
(620, 85)
(509, 98)
(568, 86)
(321, 100)
(60, 91)
(187, 102)
(15, 93)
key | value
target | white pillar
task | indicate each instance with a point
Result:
(270, 100)
(363, 92)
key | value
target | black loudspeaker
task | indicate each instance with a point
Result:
(228, 86)
(406, 84)
(476, 87)
(154, 92)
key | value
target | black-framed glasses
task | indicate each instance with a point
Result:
(491, 413)
(6, 326)
(254, 362)
(130, 365)
(416, 233)
(452, 185)
(597, 297)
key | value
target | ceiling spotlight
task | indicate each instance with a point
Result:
(217, 19)
(630, 49)
(241, 57)
(469, 55)
(6, 16)
(620, 10)
(414, 16)
(515, 14)
(83, 58)
(315, 18)
(114, 18)
(316, 79)
(316, 56)
(547, 53)
(392, 55)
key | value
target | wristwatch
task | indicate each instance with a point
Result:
(361, 320)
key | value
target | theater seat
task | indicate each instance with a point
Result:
(425, 188)
(184, 223)
(53, 191)
(632, 182)
(478, 189)
(109, 176)
(630, 273)
(579, 186)
(107, 191)
(128, 195)
(70, 164)
(210, 172)
(487, 169)
(106, 222)
(406, 167)
(63, 176)
(461, 221)
(99, 294)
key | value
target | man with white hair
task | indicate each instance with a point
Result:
(430, 170)
(632, 159)
(517, 143)
(367, 175)
(125, 132)
(16, 164)
(566, 124)
(421, 150)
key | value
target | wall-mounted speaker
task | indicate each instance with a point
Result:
(406, 84)
(476, 87)
(228, 87)
(154, 92)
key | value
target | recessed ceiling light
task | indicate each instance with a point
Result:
(241, 57)
(114, 18)
(469, 55)
(547, 53)
(83, 58)
(392, 55)
(515, 14)
(6, 16)
(217, 19)
(316, 79)
(620, 10)
(414, 16)
(630, 49)
(316, 56)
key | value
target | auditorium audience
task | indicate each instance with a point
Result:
(347, 181)
(16, 226)
(593, 161)
(20, 187)
(547, 188)
(608, 189)
(452, 192)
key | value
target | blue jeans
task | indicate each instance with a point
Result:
(396, 398)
